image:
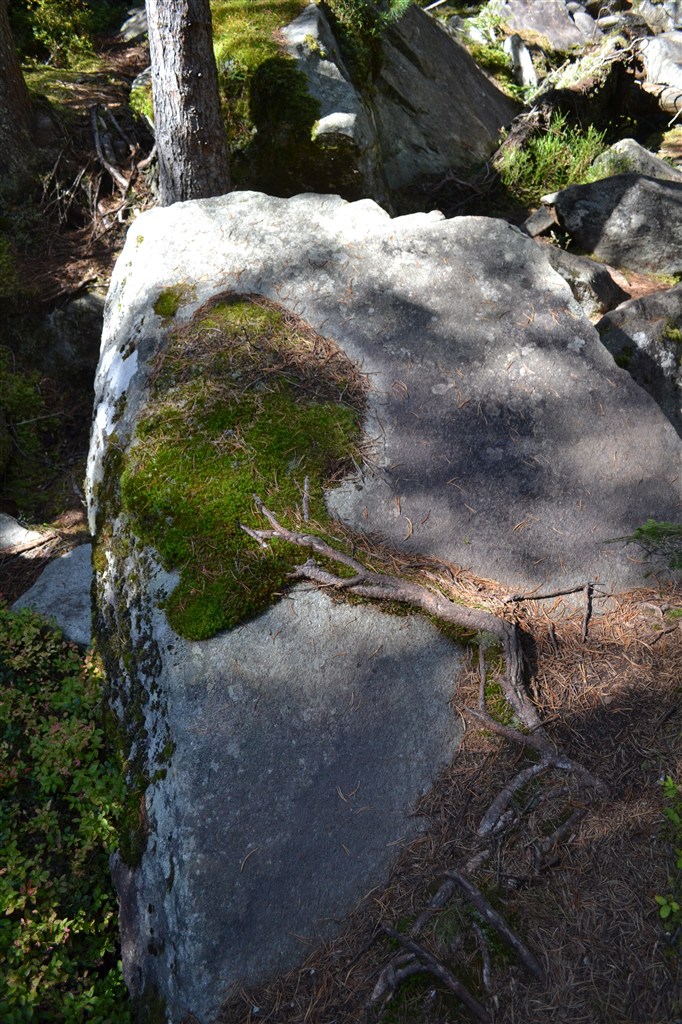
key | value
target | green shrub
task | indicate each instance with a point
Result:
(61, 30)
(559, 157)
(59, 796)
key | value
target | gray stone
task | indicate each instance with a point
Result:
(434, 107)
(658, 17)
(14, 535)
(627, 220)
(344, 117)
(645, 338)
(503, 438)
(540, 222)
(591, 284)
(62, 593)
(482, 367)
(134, 28)
(524, 70)
(548, 24)
(302, 742)
(661, 57)
(628, 156)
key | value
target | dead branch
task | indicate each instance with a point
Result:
(116, 175)
(546, 595)
(366, 583)
(501, 802)
(496, 921)
(485, 955)
(435, 967)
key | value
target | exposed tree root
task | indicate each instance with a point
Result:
(501, 815)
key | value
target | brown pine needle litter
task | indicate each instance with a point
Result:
(574, 874)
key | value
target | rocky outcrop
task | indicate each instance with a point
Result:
(591, 283)
(627, 220)
(346, 124)
(434, 107)
(627, 156)
(553, 24)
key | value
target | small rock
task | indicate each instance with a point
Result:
(62, 593)
(14, 535)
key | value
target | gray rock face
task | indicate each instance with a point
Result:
(627, 220)
(645, 338)
(301, 743)
(62, 593)
(504, 439)
(345, 119)
(629, 157)
(591, 284)
(487, 379)
(14, 535)
(134, 28)
(548, 23)
(434, 107)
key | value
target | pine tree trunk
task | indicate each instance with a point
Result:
(190, 135)
(16, 148)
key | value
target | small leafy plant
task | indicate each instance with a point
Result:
(59, 797)
(670, 905)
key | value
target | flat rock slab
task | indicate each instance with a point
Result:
(302, 742)
(505, 438)
(63, 592)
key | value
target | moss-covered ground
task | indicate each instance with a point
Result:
(246, 399)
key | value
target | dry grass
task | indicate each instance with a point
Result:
(588, 913)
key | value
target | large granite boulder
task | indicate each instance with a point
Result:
(273, 766)
(434, 107)
(627, 220)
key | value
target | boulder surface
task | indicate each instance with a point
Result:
(500, 435)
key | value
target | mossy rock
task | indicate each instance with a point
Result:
(247, 399)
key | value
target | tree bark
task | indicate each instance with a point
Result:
(190, 135)
(16, 148)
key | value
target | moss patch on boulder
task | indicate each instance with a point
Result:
(246, 399)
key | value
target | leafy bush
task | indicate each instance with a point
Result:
(61, 30)
(559, 157)
(59, 796)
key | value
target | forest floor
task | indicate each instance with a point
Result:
(575, 874)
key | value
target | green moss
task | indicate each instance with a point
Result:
(141, 101)
(671, 332)
(168, 301)
(624, 357)
(246, 401)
